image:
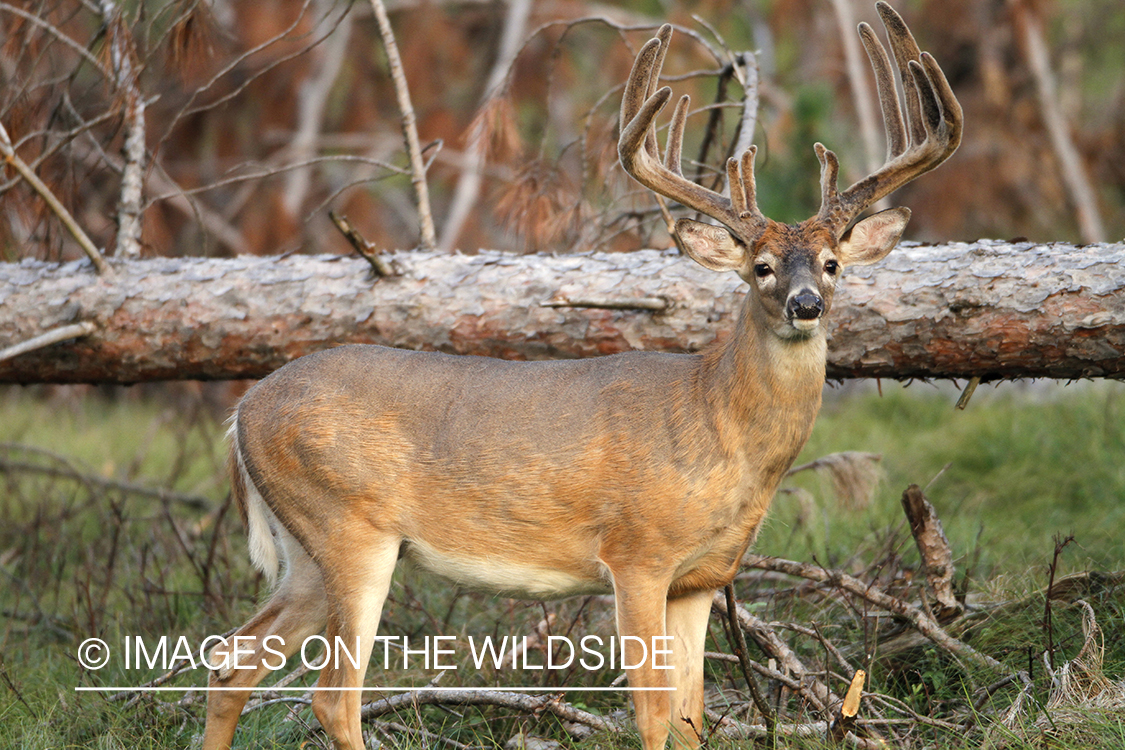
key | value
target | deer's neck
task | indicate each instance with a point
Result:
(764, 391)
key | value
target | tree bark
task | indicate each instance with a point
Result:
(987, 309)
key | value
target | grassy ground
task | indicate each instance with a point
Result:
(80, 558)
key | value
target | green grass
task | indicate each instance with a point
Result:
(1016, 468)
(1007, 475)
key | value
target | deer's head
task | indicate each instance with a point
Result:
(792, 269)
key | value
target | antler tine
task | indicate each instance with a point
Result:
(930, 134)
(743, 190)
(673, 155)
(905, 50)
(885, 86)
(639, 93)
(640, 104)
(831, 212)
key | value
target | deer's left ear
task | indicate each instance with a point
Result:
(870, 240)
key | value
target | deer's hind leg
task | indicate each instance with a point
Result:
(295, 611)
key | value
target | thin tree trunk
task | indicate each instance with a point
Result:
(409, 128)
(987, 309)
(1073, 170)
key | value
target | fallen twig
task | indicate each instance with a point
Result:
(54, 336)
(921, 621)
(547, 702)
(744, 661)
(818, 694)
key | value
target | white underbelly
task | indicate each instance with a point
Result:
(518, 580)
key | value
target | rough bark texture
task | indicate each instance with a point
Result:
(988, 309)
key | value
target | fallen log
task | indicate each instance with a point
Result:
(986, 309)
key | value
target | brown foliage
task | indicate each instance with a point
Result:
(224, 86)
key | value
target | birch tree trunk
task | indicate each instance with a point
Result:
(987, 309)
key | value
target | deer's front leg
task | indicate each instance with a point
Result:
(640, 616)
(686, 623)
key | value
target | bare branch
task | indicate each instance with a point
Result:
(190, 108)
(58, 34)
(746, 71)
(547, 703)
(65, 468)
(818, 694)
(921, 621)
(312, 99)
(858, 81)
(409, 127)
(53, 202)
(54, 336)
(744, 661)
(367, 250)
(468, 185)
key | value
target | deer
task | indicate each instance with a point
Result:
(642, 474)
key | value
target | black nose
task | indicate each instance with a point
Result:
(806, 306)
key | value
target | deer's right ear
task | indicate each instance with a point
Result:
(711, 246)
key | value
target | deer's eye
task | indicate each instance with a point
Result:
(831, 268)
(762, 270)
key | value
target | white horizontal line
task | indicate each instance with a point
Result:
(545, 690)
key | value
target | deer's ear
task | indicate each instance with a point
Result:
(870, 240)
(711, 246)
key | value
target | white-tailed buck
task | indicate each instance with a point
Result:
(642, 474)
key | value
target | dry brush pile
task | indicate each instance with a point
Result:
(890, 648)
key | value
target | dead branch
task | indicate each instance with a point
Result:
(816, 692)
(915, 616)
(56, 32)
(933, 546)
(655, 304)
(735, 729)
(747, 72)
(56, 206)
(409, 127)
(367, 251)
(312, 100)
(1048, 624)
(54, 336)
(390, 727)
(65, 469)
(189, 107)
(122, 56)
(858, 81)
(744, 661)
(535, 704)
